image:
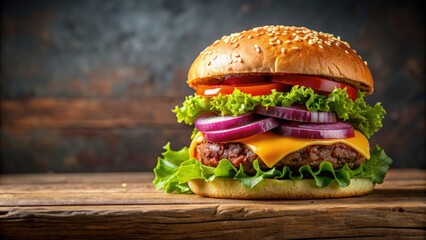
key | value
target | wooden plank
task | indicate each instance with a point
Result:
(139, 177)
(213, 221)
(137, 188)
(12, 193)
(36, 113)
(146, 195)
(50, 206)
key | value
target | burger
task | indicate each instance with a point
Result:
(279, 113)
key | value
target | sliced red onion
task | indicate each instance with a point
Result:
(297, 113)
(317, 131)
(211, 122)
(245, 131)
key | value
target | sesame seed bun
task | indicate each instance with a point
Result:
(279, 189)
(281, 50)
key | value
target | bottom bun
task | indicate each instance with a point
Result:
(279, 189)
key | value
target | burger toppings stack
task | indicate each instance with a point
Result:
(279, 112)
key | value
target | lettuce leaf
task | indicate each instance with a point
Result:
(365, 118)
(174, 169)
(166, 177)
(377, 166)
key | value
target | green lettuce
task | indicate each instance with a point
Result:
(365, 118)
(174, 169)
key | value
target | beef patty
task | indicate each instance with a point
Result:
(209, 154)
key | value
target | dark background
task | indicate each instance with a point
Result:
(87, 86)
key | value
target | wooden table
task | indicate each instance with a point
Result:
(126, 205)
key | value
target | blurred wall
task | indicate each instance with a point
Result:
(87, 86)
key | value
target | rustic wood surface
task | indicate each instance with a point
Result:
(126, 205)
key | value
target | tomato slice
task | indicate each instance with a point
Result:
(253, 89)
(321, 85)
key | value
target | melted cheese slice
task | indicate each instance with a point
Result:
(271, 147)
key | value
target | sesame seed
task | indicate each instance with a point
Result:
(249, 37)
(320, 46)
(337, 44)
(287, 41)
(365, 62)
(282, 50)
(215, 56)
(271, 43)
(278, 41)
(208, 64)
(240, 60)
(295, 48)
(236, 55)
(236, 45)
(257, 48)
(346, 51)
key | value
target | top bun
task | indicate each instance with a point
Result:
(278, 50)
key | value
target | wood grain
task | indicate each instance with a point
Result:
(126, 205)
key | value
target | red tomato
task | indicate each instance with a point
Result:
(321, 85)
(253, 89)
